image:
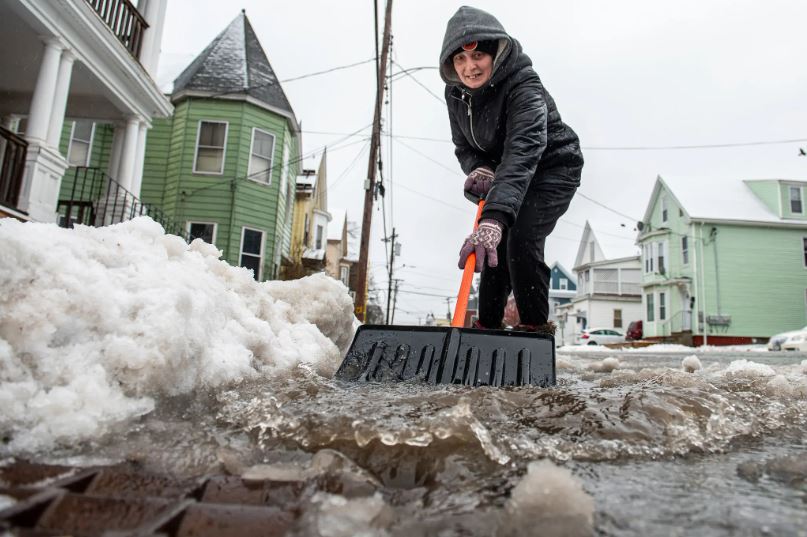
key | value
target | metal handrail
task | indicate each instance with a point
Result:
(124, 20)
(99, 200)
(13, 150)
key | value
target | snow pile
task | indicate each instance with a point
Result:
(690, 364)
(95, 323)
(549, 501)
(743, 369)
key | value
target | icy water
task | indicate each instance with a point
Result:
(629, 447)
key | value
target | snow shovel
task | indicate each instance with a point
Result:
(450, 355)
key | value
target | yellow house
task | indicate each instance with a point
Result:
(309, 235)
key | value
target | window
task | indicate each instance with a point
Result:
(202, 230)
(685, 249)
(661, 265)
(318, 239)
(664, 208)
(650, 308)
(662, 306)
(804, 247)
(79, 148)
(648, 257)
(252, 251)
(564, 284)
(344, 275)
(260, 156)
(210, 142)
(617, 318)
(795, 200)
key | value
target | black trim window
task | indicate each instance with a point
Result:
(662, 306)
(796, 205)
(804, 247)
(651, 310)
(202, 230)
(251, 251)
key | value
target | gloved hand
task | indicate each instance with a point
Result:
(479, 181)
(483, 241)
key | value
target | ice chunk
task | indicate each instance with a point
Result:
(548, 501)
(605, 366)
(690, 364)
(744, 369)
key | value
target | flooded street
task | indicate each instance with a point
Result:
(628, 443)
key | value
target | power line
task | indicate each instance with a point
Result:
(326, 71)
(419, 83)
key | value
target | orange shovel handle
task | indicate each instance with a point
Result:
(458, 321)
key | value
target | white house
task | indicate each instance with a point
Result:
(85, 60)
(609, 292)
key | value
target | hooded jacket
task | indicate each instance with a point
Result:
(510, 124)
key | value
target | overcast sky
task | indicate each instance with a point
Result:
(623, 74)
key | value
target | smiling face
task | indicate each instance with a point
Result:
(473, 67)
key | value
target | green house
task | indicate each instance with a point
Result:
(724, 261)
(223, 166)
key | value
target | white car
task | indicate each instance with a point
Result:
(796, 342)
(599, 336)
(775, 343)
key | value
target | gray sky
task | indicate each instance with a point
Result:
(623, 74)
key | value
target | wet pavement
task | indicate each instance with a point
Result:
(627, 444)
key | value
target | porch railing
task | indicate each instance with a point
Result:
(98, 200)
(124, 20)
(12, 166)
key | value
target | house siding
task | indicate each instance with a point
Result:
(232, 200)
(769, 192)
(761, 282)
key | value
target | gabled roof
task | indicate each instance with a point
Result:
(585, 254)
(569, 275)
(714, 199)
(235, 63)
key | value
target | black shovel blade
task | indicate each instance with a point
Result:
(444, 355)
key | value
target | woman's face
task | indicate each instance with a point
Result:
(474, 67)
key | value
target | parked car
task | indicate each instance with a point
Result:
(775, 343)
(796, 342)
(599, 336)
(634, 331)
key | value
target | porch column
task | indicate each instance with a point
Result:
(115, 153)
(154, 13)
(129, 153)
(42, 102)
(60, 99)
(140, 155)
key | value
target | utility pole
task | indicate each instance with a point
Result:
(389, 275)
(369, 183)
(448, 304)
(395, 301)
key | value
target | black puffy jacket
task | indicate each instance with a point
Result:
(510, 124)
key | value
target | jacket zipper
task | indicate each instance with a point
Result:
(471, 118)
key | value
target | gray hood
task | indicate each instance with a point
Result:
(471, 24)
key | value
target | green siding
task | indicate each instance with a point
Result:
(232, 199)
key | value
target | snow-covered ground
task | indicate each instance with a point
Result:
(665, 348)
(96, 323)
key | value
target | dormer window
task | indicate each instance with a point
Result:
(796, 205)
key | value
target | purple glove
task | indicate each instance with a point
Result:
(479, 181)
(483, 241)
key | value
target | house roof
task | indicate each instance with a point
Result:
(568, 274)
(714, 199)
(235, 63)
(619, 247)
